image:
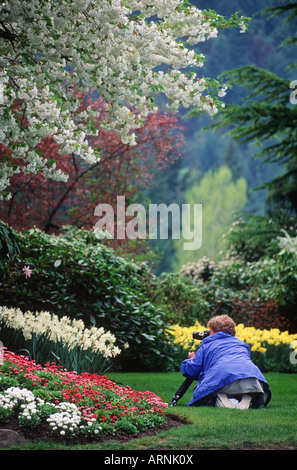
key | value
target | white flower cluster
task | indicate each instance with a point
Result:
(287, 243)
(113, 46)
(66, 420)
(15, 397)
(72, 332)
(23, 400)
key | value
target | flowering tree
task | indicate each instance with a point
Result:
(118, 47)
(122, 169)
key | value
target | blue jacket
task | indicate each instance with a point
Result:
(220, 359)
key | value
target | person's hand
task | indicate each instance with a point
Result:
(191, 355)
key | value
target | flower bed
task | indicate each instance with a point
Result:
(46, 337)
(72, 405)
(272, 350)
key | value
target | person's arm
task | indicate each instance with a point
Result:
(192, 367)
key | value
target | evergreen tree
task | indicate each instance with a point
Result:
(267, 118)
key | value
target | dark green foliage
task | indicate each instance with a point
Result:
(8, 244)
(267, 118)
(74, 275)
(181, 301)
(260, 293)
(255, 236)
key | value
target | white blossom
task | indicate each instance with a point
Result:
(66, 419)
(113, 46)
(72, 332)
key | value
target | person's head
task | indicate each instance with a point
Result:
(221, 323)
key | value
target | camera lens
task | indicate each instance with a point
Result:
(200, 336)
(197, 335)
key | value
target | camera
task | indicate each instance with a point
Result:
(200, 336)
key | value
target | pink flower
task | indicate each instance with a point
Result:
(27, 271)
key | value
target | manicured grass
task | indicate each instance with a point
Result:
(221, 428)
(212, 428)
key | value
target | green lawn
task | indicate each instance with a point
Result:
(213, 428)
(273, 426)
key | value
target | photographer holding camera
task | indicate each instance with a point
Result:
(226, 375)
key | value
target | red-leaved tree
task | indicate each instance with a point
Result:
(122, 170)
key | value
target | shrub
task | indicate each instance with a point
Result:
(263, 292)
(8, 245)
(179, 299)
(260, 313)
(74, 275)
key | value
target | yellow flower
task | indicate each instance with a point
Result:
(256, 338)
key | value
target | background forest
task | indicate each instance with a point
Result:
(196, 176)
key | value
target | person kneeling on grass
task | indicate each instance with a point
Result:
(226, 375)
